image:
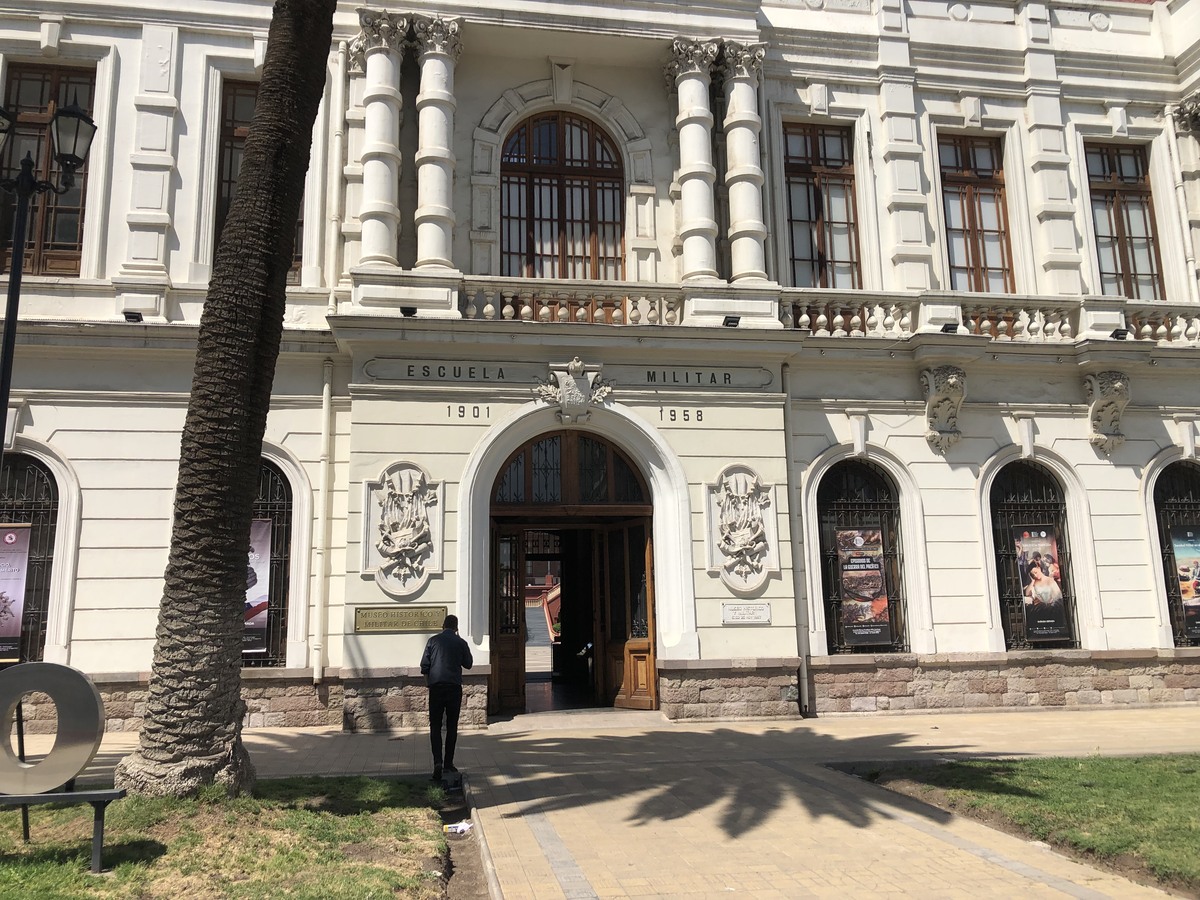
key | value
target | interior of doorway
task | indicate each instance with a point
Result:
(559, 615)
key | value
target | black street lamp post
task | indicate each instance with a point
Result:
(71, 131)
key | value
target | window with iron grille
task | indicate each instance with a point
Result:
(237, 112)
(1177, 506)
(819, 165)
(29, 495)
(1123, 213)
(861, 560)
(54, 240)
(273, 504)
(562, 200)
(1033, 558)
(977, 240)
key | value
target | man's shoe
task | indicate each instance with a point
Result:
(437, 774)
(450, 768)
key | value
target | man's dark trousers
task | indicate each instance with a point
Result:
(444, 700)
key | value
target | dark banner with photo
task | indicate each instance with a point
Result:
(865, 618)
(1185, 543)
(1041, 583)
(258, 587)
(14, 566)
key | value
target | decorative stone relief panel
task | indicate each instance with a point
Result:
(403, 515)
(945, 388)
(573, 387)
(741, 534)
(1107, 396)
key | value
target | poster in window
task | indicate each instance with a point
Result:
(1041, 583)
(258, 587)
(865, 618)
(1185, 542)
(14, 566)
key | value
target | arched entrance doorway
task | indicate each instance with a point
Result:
(571, 561)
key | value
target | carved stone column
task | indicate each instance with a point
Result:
(438, 48)
(378, 48)
(743, 174)
(692, 70)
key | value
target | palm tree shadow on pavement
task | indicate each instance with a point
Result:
(670, 774)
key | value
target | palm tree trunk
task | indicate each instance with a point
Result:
(191, 735)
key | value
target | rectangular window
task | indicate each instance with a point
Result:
(237, 112)
(976, 214)
(54, 239)
(819, 165)
(1126, 244)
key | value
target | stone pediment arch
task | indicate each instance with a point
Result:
(517, 104)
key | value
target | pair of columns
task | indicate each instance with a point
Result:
(378, 52)
(691, 70)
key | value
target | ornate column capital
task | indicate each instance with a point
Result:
(692, 57)
(377, 28)
(1187, 113)
(742, 60)
(435, 34)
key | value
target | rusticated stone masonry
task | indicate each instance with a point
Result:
(738, 692)
(402, 702)
(1063, 678)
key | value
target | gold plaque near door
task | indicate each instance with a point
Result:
(398, 619)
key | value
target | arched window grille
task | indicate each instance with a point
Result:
(29, 496)
(273, 505)
(562, 200)
(861, 559)
(1177, 506)
(1033, 558)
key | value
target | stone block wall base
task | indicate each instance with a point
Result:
(849, 684)
(748, 693)
(402, 702)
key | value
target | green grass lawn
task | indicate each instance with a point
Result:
(297, 838)
(1136, 813)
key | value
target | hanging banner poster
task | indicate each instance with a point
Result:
(258, 587)
(864, 598)
(1041, 583)
(14, 565)
(1185, 542)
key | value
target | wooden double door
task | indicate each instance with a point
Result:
(605, 644)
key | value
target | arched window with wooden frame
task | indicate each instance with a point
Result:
(1177, 508)
(861, 559)
(562, 190)
(28, 501)
(268, 571)
(1033, 558)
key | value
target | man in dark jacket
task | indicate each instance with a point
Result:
(445, 656)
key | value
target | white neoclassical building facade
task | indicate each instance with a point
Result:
(736, 359)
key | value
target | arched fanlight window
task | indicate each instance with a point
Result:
(28, 522)
(1177, 507)
(562, 200)
(539, 474)
(861, 559)
(268, 569)
(1029, 530)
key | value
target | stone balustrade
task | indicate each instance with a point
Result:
(589, 302)
(1025, 319)
(848, 315)
(1165, 324)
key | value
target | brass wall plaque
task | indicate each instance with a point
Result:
(398, 619)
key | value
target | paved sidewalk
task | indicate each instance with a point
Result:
(620, 804)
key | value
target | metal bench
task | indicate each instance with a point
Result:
(99, 800)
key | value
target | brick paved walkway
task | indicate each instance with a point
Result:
(615, 804)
